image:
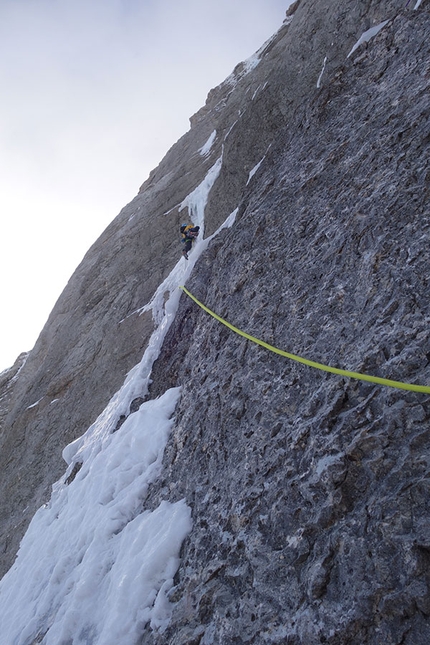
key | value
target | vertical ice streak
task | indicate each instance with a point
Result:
(197, 200)
(321, 74)
(205, 150)
(94, 565)
(367, 35)
(163, 304)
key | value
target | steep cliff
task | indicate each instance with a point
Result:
(308, 491)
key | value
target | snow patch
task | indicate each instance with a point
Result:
(205, 150)
(244, 68)
(254, 170)
(15, 378)
(367, 35)
(95, 565)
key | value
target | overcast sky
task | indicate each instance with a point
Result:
(93, 94)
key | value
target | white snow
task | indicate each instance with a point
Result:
(8, 369)
(321, 74)
(255, 93)
(93, 564)
(196, 201)
(259, 88)
(33, 405)
(15, 378)
(367, 35)
(249, 64)
(254, 170)
(96, 564)
(417, 4)
(163, 304)
(205, 150)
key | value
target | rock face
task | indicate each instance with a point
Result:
(309, 491)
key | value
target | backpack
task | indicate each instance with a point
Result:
(189, 231)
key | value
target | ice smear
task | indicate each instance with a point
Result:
(94, 566)
(15, 378)
(254, 170)
(205, 150)
(250, 64)
(244, 68)
(321, 74)
(367, 35)
(417, 4)
(229, 130)
(33, 405)
(255, 93)
(325, 462)
(164, 305)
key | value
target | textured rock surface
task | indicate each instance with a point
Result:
(309, 492)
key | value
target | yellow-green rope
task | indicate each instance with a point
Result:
(326, 368)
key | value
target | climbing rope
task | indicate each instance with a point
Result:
(320, 366)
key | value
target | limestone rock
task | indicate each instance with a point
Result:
(309, 492)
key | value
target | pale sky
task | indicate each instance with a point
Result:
(93, 94)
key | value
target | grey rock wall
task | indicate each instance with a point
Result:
(308, 491)
(94, 336)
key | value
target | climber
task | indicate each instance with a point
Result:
(189, 233)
